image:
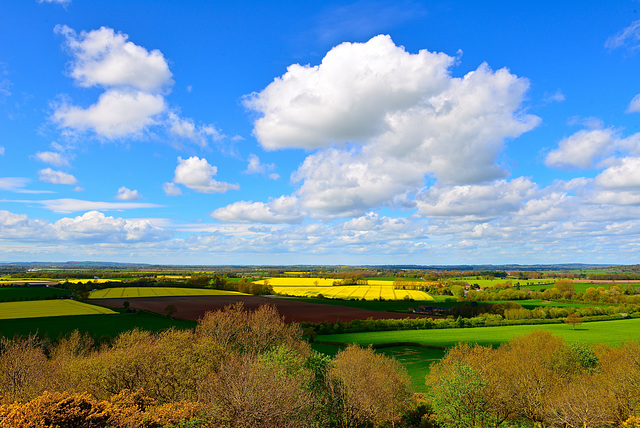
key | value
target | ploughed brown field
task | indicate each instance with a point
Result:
(194, 308)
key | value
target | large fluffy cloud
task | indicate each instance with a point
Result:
(347, 97)
(384, 120)
(339, 183)
(197, 174)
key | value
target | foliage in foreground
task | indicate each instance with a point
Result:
(237, 368)
(537, 380)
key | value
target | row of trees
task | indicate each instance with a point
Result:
(237, 368)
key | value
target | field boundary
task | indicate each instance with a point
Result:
(383, 345)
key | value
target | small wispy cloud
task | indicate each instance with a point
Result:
(364, 19)
(629, 38)
(63, 3)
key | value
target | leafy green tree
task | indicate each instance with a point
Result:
(565, 285)
(573, 319)
(460, 398)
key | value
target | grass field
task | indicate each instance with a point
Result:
(129, 292)
(30, 293)
(49, 308)
(491, 282)
(98, 326)
(311, 287)
(580, 287)
(418, 360)
(532, 304)
(612, 332)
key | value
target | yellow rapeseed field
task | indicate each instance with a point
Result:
(49, 308)
(129, 292)
(311, 287)
(95, 281)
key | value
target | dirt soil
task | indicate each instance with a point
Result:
(194, 307)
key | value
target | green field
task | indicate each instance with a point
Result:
(8, 294)
(612, 332)
(418, 360)
(580, 287)
(98, 326)
(49, 308)
(532, 304)
(130, 292)
(484, 283)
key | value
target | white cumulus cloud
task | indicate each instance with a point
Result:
(116, 114)
(624, 175)
(105, 58)
(52, 158)
(383, 120)
(476, 201)
(347, 96)
(125, 194)
(284, 209)
(583, 149)
(134, 82)
(56, 177)
(92, 227)
(197, 174)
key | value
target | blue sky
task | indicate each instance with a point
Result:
(317, 132)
